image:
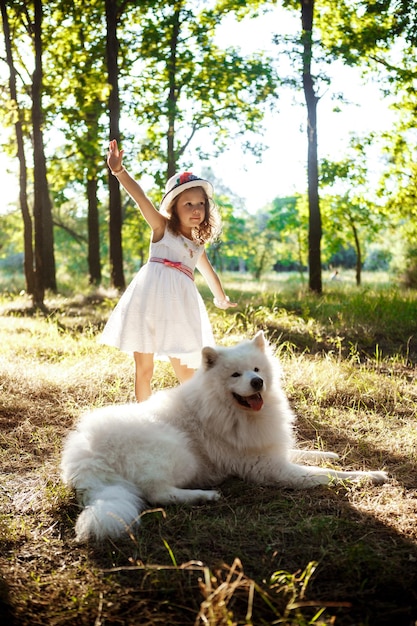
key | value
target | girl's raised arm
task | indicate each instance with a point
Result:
(155, 220)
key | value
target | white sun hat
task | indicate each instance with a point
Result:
(179, 183)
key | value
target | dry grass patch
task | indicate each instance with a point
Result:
(260, 555)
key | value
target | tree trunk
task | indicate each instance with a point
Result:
(172, 95)
(94, 265)
(44, 238)
(115, 201)
(358, 254)
(24, 207)
(315, 231)
(93, 221)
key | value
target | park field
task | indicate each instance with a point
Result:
(344, 555)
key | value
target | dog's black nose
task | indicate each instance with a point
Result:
(257, 383)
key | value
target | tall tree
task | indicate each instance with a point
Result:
(315, 229)
(21, 155)
(78, 93)
(305, 50)
(348, 31)
(113, 9)
(31, 18)
(173, 90)
(44, 241)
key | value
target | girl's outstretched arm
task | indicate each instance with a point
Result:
(155, 220)
(220, 299)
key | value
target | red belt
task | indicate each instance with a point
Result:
(175, 264)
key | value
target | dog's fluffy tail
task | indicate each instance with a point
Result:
(110, 511)
(112, 504)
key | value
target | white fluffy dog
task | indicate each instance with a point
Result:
(231, 419)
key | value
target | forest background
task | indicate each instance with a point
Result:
(80, 73)
(73, 75)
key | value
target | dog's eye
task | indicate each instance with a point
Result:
(236, 375)
(256, 369)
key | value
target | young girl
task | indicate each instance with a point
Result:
(161, 312)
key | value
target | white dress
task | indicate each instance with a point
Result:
(161, 311)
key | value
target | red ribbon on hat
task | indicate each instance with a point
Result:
(185, 177)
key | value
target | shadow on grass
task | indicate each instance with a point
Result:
(366, 557)
(366, 569)
(366, 572)
(361, 561)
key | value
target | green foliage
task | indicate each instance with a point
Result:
(192, 85)
(401, 173)
(11, 234)
(409, 270)
(136, 238)
(207, 88)
(350, 219)
(230, 251)
(354, 30)
(182, 81)
(378, 259)
(289, 219)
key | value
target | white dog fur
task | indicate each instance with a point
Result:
(231, 419)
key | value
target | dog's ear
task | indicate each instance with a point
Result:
(210, 357)
(259, 340)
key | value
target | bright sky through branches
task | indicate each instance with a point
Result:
(283, 168)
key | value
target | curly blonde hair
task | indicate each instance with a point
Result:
(208, 230)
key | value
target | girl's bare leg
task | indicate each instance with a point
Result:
(182, 372)
(143, 375)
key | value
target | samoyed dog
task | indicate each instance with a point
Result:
(231, 419)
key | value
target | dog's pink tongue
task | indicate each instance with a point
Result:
(255, 402)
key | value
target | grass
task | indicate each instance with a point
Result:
(342, 555)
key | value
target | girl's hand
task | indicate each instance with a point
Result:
(224, 304)
(114, 156)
